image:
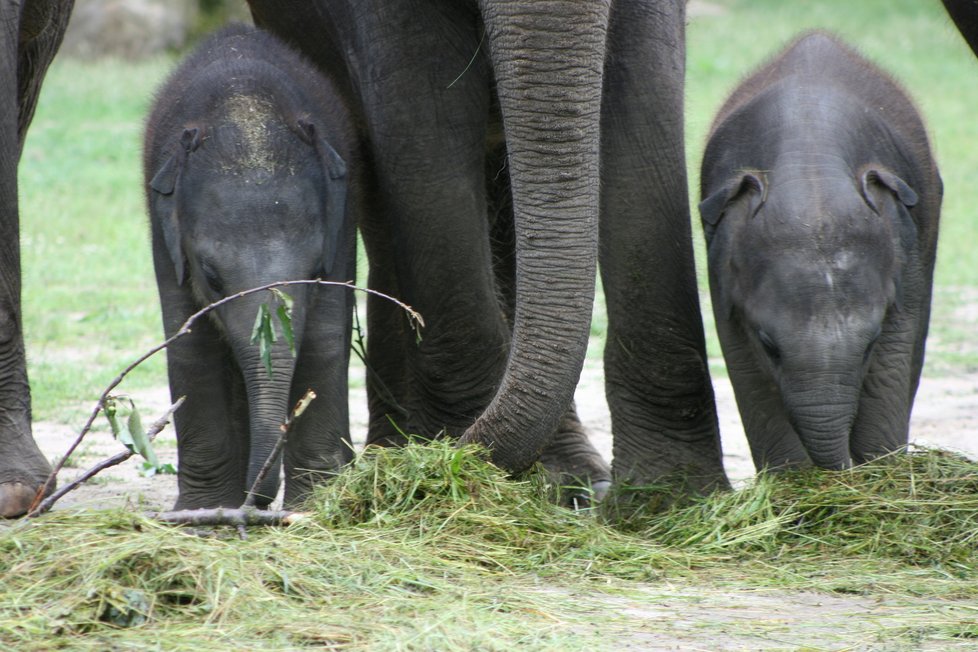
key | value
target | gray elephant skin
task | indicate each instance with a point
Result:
(30, 34)
(821, 202)
(483, 181)
(245, 163)
(570, 82)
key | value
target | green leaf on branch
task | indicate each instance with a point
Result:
(120, 429)
(285, 319)
(127, 428)
(149, 469)
(284, 312)
(263, 334)
(284, 299)
(139, 439)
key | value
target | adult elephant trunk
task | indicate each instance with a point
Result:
(268, 394)
(822, 407)
(548, 60)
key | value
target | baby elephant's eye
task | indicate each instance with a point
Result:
(212, 278)
(772, 350)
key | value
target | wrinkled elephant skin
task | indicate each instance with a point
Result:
(30, 34)
(494, 109)
(246, 172)
(821, 202)
(435, 85)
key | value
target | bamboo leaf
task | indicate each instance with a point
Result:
(284, 299)
(264, 334)
(285, 319)
(140, 441)
(120, 428)
(284, 313)
(127, 428)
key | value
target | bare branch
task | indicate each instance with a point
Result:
(297, 411)
(155, 429)
(415, 317)
(240, 517)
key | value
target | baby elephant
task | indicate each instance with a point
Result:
(820, 206)
(247, 184)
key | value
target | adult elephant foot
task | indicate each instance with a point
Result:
(583, 474)
(16, 498)
(23, 468)
(19, 484)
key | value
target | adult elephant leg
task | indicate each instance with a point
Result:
(657, 380)
(388, 331)
(30, 34)
(964, 13)
(428, 152)
(575, 463)
(547, 57)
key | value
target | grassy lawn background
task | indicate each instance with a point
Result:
(89, 295)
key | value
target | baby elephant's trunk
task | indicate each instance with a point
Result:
(268, 396)
(822, 405)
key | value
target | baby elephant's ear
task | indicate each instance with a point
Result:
(165, 179)
(163, 200)
(876, 180)
(749, 188)
(335, 176)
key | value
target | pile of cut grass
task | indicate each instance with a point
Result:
(433, 530)
(919, 507)
(431, 547)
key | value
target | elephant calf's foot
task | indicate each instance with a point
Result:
(16, 498)
(583, 475)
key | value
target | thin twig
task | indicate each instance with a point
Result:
(415, 317)
(360, 349)
(297, 411)
(115, 460)
(471, 61)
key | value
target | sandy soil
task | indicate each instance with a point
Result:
(945, 415)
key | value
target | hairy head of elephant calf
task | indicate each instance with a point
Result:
(820, 204)
(246, 180)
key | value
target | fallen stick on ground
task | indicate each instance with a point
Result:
(239, 517)
(155, 429)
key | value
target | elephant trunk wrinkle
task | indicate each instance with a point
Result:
(268, 405)
(550, 157)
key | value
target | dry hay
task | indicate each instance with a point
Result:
(436, 529)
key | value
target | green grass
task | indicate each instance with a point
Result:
(90, 302)
(430, 547)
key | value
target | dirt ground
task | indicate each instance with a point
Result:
(945, 415)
